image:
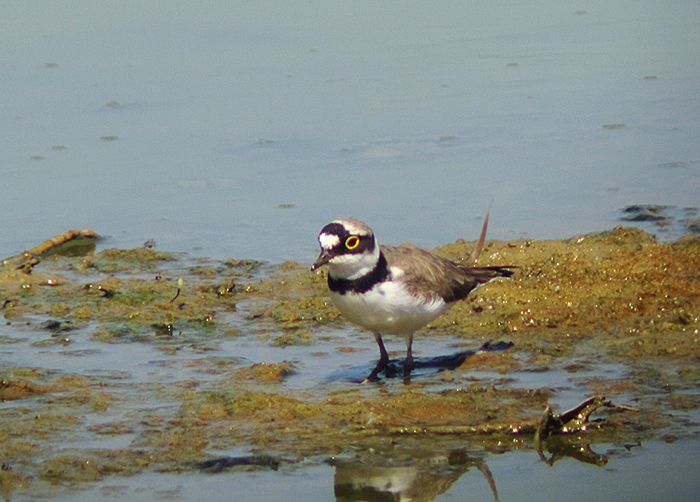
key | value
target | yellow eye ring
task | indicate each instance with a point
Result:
(352, 242)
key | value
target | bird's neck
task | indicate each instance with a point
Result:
(363, 278)
(354, 265)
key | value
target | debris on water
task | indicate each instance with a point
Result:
(11, 390)
(692, 224)
(649, 212)
(672, 164)
(247, 463)
(266, 372)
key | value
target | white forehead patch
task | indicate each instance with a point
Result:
(328, 241)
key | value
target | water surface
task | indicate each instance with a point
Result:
(199, 125)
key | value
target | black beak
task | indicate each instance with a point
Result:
(322, 259)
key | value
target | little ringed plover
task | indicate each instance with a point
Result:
(394, 290)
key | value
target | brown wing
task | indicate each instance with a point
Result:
(431, 275)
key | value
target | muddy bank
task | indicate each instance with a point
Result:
(576, 308)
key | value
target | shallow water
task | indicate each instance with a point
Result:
(659, 471)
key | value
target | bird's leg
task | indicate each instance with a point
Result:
(408, 364)
(383, 360)
(383, 355)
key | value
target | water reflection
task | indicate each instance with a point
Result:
(560, 448)
(422, 467)
(661, 471)
(420, 479)
(425, 472)
(424, 476)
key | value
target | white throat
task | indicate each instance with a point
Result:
(353, 266)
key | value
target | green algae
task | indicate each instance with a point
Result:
(618, 297)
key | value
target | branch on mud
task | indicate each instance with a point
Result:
(575, 420)
(70, 243)
(548, 425)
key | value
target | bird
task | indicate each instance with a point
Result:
(390, 290)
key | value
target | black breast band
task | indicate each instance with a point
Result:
(379, 273)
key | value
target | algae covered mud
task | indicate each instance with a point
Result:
(123, 365)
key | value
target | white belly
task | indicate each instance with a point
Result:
(388, 309)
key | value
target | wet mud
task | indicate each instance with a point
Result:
(209, 401)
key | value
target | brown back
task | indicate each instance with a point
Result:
(430, 275)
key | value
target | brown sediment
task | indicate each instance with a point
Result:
(614, 298)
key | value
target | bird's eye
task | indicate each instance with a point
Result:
(352, 242)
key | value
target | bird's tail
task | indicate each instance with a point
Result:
(486, 274)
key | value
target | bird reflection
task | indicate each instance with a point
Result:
(420, 480)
